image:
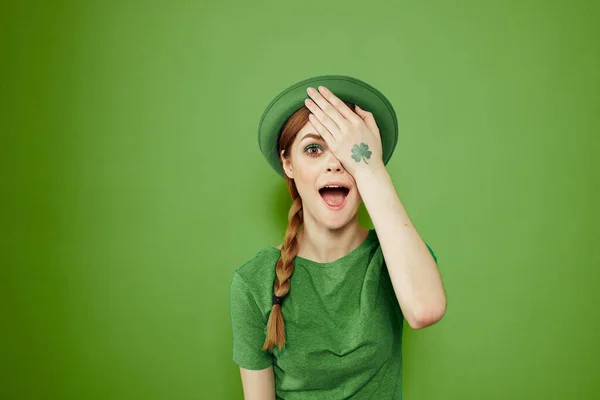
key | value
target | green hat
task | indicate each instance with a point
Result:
(346, 88)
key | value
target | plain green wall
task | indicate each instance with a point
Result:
(132, 186)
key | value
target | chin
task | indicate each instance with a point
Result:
(337, 217)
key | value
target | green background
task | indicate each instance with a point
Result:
(132, 186)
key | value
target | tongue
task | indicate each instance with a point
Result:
(333, 197)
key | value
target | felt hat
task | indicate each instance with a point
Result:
(347, 88)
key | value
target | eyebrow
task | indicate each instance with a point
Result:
(312, 135)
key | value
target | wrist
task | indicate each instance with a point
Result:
(367, 172)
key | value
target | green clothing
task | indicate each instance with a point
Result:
(343, 325)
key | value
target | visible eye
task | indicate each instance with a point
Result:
(310, 147)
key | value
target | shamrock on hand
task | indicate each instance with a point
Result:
(352, 137)
(361, 151)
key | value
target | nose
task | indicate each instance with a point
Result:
(333, 164)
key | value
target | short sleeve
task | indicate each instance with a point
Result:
(432, 253)
(248, 327)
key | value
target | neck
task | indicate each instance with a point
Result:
(321, 244)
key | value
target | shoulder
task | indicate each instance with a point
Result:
(258, 272)
(259, 261)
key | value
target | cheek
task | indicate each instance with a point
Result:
(306, 186)
(306, 172)
(306, 181)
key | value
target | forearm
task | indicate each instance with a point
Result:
(413, 271)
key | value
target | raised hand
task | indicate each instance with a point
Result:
(353, 138)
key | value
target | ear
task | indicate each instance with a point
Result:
(287, 165)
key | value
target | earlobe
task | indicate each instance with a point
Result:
(287, 165)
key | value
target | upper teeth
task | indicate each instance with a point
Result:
(333, 186)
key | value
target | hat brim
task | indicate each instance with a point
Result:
(347, 88)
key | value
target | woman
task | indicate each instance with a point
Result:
(320, 316)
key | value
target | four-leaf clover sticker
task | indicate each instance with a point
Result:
(361, 151)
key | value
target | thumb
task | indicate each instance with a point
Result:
(368, 118)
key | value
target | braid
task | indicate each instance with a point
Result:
(283, 270)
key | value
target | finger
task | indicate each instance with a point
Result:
(339, 105)
(321, 130)
(369, 120)
(322, 117)
(327, 108)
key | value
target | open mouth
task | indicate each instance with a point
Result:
(334, 196)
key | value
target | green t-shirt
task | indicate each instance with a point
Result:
(343, 325)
